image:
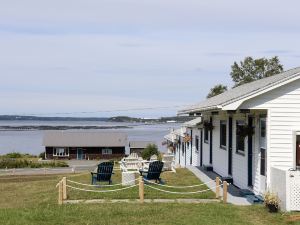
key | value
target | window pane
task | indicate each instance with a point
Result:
(262, 128)
(262, 162)
(206, 134)
(197, 143)
(223, 132)
(240, 141)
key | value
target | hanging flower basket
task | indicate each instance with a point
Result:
(245, 131)
(187, 138)
(208, 125)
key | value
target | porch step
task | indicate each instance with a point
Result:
(227, 179)
(260, 198)
(208, 167)
(253, 199)
(244, 192)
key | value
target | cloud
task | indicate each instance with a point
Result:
(79, 55)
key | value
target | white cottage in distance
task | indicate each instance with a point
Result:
(250, 133)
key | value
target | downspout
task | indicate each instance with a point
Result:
(191, 157)
(211, 143)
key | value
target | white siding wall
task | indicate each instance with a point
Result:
(220, 156)
(188, 149)
(182, 155)
(283, 106)
(177, 156)
(239, 162)
(205, 153)
(196, 155)
(256, 156)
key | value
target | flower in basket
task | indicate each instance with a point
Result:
(271, 201)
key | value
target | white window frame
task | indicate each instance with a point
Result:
(106, 151)
(66, 150)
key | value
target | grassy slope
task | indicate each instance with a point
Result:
(32, 200)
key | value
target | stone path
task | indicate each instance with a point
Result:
(233, 192)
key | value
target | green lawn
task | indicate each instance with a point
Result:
(183, 177)
(33, 200)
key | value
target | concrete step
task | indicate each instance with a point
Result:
(244, 192)
(208, 167)
(227, 179)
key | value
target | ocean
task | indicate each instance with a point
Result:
(30, 141)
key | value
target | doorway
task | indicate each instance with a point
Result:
(80, 154)
(298, 152)
(230, 146)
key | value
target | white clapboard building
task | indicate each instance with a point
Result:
(250, 133)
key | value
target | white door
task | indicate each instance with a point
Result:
(263, 154)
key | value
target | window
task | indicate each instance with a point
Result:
(223, 132)
(197, 143)
(60, 152)
(262, 133)
(205, 135)
(182, 147)
(240, 140)
(262, 162)
(106, 151)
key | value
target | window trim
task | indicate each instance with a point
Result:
(223, 122)
(66, 149)
(239, 151)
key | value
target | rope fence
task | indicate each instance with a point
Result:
(62, 188)
(183, 193)
(179, 187)
(103, 185)
(102, 191)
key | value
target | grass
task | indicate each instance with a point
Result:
(30, 200)
(183, 177)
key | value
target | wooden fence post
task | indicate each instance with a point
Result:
(64, 183)
(60, 194)
(141, 189)
(217, 187)
(14, 171)
(225, 192)
(44, 170)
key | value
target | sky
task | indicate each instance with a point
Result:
(105, 56)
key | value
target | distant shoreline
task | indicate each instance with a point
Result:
(46, 127)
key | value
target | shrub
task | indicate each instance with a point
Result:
(42, 155)
(150, 150)
(14, 155)
(271, 201)
(24, 163)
